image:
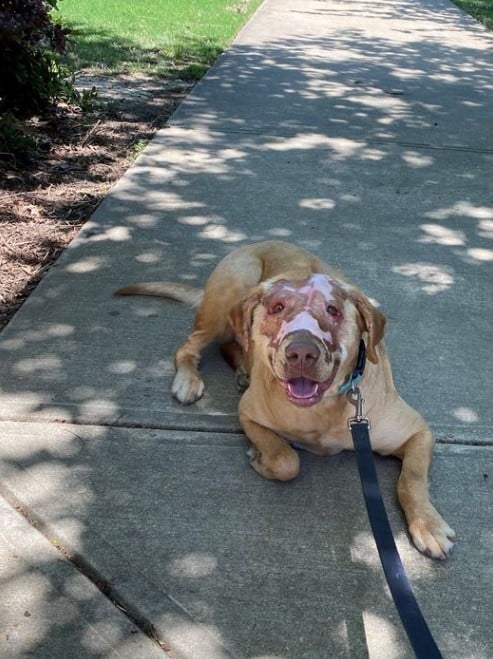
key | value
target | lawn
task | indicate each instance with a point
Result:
(480, 9)
(157, 36)
(163, 36)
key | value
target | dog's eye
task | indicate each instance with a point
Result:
(276, 308)
(333, 311)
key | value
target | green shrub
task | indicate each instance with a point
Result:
(31, 44)
(16, 145)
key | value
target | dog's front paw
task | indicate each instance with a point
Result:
(282, 467)
(187, 387)
(431, 534)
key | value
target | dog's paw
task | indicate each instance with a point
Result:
(187, 387)
(432, 535)
(242, 380)
(284, 467)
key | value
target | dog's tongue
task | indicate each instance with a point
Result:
(302, 387)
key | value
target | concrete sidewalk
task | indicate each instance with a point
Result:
(363, 132)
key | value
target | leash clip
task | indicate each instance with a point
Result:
(355, 398)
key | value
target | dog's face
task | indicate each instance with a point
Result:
(307, 333)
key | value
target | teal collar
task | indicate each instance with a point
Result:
(357, 374)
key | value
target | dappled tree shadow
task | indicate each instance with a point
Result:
(371, 172)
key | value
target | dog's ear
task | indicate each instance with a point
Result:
(241, 317)
(373, 320)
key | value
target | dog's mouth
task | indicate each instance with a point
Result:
(304, 391)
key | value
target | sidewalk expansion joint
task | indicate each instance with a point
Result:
(304, 130)
(480, 443)
(89, 572)
(116, 423)
(442, 438)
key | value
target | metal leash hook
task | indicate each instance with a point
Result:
(355, 397)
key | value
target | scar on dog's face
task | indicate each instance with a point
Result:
(308, 333)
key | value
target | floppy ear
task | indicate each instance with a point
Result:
(240, 318)
(374, 323)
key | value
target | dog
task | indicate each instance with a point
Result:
(291, 327)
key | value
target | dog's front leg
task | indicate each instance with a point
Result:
(209, 324)
(429, 531)
(271, 456)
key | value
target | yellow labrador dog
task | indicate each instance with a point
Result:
(293, 326)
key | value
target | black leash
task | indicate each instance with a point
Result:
(417, 630)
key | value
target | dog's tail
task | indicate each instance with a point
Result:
(170, 289)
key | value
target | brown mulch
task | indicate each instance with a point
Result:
(44, 203)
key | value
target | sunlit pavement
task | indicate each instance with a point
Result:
(363, 132)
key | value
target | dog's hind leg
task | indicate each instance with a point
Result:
(233, 355)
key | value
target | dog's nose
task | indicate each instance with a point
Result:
(302, 353)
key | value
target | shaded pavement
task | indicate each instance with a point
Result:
(363, 132)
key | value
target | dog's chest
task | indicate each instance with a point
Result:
(325, 443)
(322, 431)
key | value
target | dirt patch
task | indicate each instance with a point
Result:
(44, 203)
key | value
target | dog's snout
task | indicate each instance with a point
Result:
(302, 353)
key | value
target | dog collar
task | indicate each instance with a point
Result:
(357, 374)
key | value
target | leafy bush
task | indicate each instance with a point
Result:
(16, 145)
(31, 43)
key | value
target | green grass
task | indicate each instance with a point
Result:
(156, 36)
(480, 9)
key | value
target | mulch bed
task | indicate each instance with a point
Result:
(44, 203)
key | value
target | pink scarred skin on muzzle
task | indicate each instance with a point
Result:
(305, 313)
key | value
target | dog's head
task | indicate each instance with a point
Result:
(307, 333)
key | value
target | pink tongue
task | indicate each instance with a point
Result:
(302, 387)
